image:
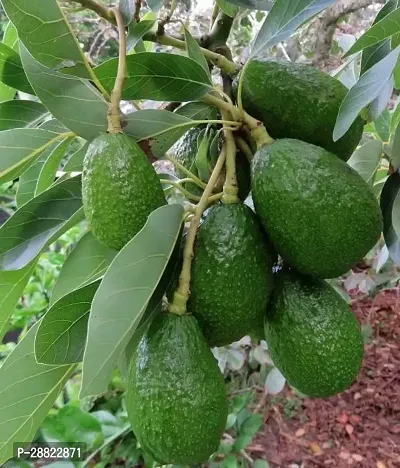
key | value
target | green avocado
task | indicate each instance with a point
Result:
(312, 336)
(298, 101)
(185, 151)
(320, 215)
(231, 275)
(176, 398)
(120, 189)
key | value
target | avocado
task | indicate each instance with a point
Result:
(231, 274)
(120, 189)
(320, 215)
(298, 101)
(176, 398)
(185, 152)
(312, 336)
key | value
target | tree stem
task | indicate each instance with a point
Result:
(230, 186)
(219, 33)
(181, 295)
(113, 115)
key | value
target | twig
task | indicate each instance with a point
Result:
(113, 115)
(178, 186)
(181, 295)
(101, 10)
(245, 148)
(183, 169)
(230, 186)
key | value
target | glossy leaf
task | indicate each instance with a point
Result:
(88, 258)
(47, 35)
(87, 116)
(32, 226)
(193, 110)
(19, 149)
(159, 77)
(283, 20)
(12, 285)
(21, 114)
(10, 39)
(61, 336)
(264, 5)
(75, 162)
(383, 29)
(136, 33)
(28, 391)
(390, 206)
(194, 52)
(366, 159)
(11, 70)
(363, 92)
(124, 293)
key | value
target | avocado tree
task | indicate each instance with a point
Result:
(276, 189)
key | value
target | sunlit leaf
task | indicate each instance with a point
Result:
(366, 159)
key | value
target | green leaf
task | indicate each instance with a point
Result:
(390, 206)
(11, 70)
(157, 76)
(228, 8)
(136, 32)
(75, 162)
(261, 464)
(51, 165)
(382, 125)
(42, 172)
(193, 110)
(383, 29)
(264, 5)
(28, 391)
(10, 39)
(12, 285)
(127, 9)
(20, 148)
(87, 116)
(275, 382)
(154, 5)
(21, 114)
(395, 156)
(61, 336)
(124, 293)
(363, 92)
(366, 159)
(151, 122)
(47, 35)
(32, 226)
(88, 258)
(195, 53)
(283, 20)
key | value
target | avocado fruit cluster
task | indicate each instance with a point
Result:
(120, 189)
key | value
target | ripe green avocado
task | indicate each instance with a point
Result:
(298, 101)
(176, 397)
(120, 189)
(313, 337)
(231, 275)
(185, 151)
(320, 215)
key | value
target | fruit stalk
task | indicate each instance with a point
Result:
(113, 114)
(245, 148)
(181, 295)
(230, 187)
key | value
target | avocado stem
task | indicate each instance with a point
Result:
(113, 114)
(245, 148)
(182, 168)
(230, 186)
(181, 295)
(178, 186)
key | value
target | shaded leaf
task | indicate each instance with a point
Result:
(136, 32)
(275, 382)
(159, 77)
(61, 336)
(390, 206)
(21, 114)
(195, 53)
(363, 92)
(11, 70)
(383, 29)
(154, 5)
(32, 226)
(283, 20)
(47, 35)
(28, 391)
(123, 295)
(75, 162)
(10, 39)
(127, 9)
(379, 104)
(395, 155)
(228, 8)
(264, 5)
(19, 149)
(87, 116)
(382, 125)
(366, 159)
(88, 258)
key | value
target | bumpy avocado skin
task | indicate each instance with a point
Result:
(120, 189)
(185, 151)
(313, 337)
(298, 101)
(231, 275)
(176, 397)
(320, 215)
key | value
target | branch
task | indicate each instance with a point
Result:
(101, 10)
(219, 33)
